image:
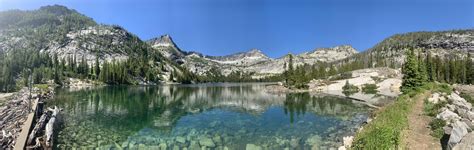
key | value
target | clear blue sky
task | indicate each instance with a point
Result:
(219, 27)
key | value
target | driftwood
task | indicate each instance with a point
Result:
(14, 113)
(50, 126)
(7, 137)
(38, 127)
(37, 145)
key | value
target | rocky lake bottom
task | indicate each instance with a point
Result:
(208, 116)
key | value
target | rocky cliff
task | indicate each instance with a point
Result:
(442, 44)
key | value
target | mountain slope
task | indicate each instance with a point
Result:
(68, 35)
(391, 51)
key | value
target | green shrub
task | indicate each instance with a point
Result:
(376, 79)
(41, 86)
(436, 126)
(349, 89)
(369, 88)
(384, 132)
(431, 109)
(442, 88)
(342, 76)
(467, 97)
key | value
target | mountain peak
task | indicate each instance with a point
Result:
(254, 50)
(57, 9)
(162, 41)
(339, 49)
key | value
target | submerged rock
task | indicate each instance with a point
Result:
(295, 142)
(194, 146)
(313, 140)
(252, 147)
(180, 139)
(176, 147)
(163, 146)
(205, 141)
(217, 139)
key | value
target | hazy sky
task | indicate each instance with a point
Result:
(277, 27)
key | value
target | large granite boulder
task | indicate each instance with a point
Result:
(448, 115)
(460, 129)
(467, 143)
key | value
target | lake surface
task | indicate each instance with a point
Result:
(210, 116)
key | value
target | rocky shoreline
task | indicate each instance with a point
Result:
(459, 117)
(14, 111)
(387, 81)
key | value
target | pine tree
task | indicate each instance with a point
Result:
(438, 69)
(171, 76)
(57, 76)
(469, 70)
(423, 76)
(450, 71)
(410, 72)
(332, 70)
(430, 67)
(285, 73)
(97, 66)
(291, 71)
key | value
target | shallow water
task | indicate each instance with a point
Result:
(215, 116)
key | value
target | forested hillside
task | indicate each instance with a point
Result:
(55, 42)
(446, 56)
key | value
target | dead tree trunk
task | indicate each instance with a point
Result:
(50, 127)
(38, 127)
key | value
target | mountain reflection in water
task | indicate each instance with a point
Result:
(211, 115)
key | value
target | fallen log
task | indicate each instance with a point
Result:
(37, 145)
(50, 126)
(38, 127)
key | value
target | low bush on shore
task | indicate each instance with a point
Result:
(369, 88)
(349, 89)
(436, 125)
(467, 97)
(432, 109)
(385, 131)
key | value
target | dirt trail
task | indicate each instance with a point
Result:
(417, 136)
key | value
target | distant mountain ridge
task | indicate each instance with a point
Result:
(251, 61)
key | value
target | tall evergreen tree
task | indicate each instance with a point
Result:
(291, 78)
(97, 66)
(423, 75)
(410, 72)
(430, 67)
(469, 70)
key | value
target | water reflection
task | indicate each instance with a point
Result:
(237, 114)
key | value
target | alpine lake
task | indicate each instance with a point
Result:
(203, 116)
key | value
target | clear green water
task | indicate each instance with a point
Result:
(209, 116)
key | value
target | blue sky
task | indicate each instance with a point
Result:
(277, 27)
